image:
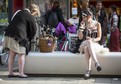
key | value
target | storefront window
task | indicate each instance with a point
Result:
(40, 3)
(44, 4)
(3, 11)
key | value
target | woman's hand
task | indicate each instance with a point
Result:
(91, 39)
(82, 24)
(69, 24)
(88, 38)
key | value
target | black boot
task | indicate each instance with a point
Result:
(87, 75)
(98, 67)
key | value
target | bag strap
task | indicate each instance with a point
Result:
(15, 14)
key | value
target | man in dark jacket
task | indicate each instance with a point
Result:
(18, 35)
(56, 9)
(102, 18)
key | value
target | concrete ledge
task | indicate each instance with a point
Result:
(69, 63)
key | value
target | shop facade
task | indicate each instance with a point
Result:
(44, 5)
(8, 7)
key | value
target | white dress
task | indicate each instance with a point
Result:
(92, 32)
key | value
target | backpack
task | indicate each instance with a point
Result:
(53, 19)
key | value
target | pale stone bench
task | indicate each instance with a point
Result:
(69, 63)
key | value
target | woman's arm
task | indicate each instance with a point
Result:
(81, 30)
(80, 35)
(34, 13)
(99, 32)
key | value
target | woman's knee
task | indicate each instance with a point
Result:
(89, 43)
(12, 53)
(85, 49)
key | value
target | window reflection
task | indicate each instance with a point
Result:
(3, 11)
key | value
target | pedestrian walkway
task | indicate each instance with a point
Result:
(38, 79)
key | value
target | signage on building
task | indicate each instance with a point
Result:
(74, 11)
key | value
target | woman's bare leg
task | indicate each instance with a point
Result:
(12, 55)
(92, 51)
(88, 58)
(21, 62)
(93, 55)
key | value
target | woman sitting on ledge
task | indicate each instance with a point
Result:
(91, 34)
